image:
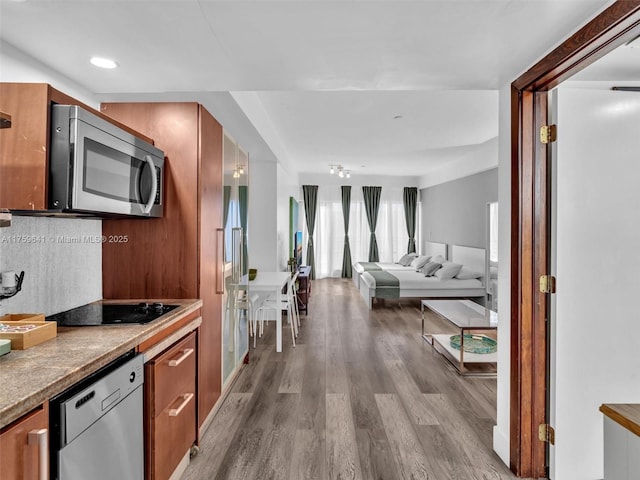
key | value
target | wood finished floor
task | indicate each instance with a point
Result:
(362, 396)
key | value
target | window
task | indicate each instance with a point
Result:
(391, 229)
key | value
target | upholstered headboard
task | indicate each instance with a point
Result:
(470, 257)
(435, 248)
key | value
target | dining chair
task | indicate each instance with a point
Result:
(238, 298)
(289, 303)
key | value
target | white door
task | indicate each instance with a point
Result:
(595, 321)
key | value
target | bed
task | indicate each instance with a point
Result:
(431, 249)
(360, 267)
(411, 284)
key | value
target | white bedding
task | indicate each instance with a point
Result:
(413, 280)
(358, 270)
(388, 266)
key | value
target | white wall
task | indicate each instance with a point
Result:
(465, 200)
(358, 181)
(270, 187)
(17, 66)
(263, 231)
(288, 186)
(596, 331)
(470, 160)
(501, 443)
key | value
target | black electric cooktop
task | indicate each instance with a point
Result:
(96, 314)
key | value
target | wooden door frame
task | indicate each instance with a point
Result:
(530, 227)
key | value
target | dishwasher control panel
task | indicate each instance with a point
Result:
(85, 407)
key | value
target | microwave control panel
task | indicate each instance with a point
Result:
(159, 185)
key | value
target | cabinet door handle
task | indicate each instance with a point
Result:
(177, 361)
(174, 412)
(220, 261)
(39, 438)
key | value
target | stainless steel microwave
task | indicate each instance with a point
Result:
(97, 168)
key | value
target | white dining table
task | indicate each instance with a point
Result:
(272, 282)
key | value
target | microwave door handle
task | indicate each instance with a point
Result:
(154, 184)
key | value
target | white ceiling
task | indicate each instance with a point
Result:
(316, 82)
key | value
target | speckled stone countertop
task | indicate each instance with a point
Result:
(30, 377)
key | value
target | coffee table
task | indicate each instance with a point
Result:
(469, 318)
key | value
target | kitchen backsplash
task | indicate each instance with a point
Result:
(62, 261)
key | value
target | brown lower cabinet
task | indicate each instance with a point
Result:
(170, 408)
(23, 447)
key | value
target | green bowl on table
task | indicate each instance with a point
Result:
(252, 273)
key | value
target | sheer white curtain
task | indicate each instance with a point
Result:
(391, 231)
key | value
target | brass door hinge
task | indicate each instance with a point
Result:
(548, 284)
(546, 433)
(548, 133)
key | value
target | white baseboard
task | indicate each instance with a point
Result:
(501, 445)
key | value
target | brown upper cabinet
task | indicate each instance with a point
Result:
(24, 146)
(178, 255)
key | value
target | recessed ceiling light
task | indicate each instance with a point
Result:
(103, 62)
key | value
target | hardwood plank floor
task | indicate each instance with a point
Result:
(362, 396)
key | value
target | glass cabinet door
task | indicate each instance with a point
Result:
(235, 308)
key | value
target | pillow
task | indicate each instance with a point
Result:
(448, 270)
(430, 268)
(406, 259)
(419, 262)
(467, 274)
(439, 259)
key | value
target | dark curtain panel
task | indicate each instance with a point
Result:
(410, 200)
(310, 196)
(226, 195)
(243, 199)
(346, 207)
(372, 205)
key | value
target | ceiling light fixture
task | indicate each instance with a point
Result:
(236, 174)
(103, 62)
(241, 169)
(342, 173)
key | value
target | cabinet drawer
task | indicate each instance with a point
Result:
(173, 373)
(175, 432)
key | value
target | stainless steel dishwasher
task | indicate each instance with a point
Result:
(96, 425)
